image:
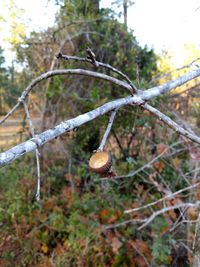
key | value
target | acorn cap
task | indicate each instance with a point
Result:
(100, 162)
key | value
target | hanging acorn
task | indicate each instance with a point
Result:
(100, 163)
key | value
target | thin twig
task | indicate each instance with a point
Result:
(171, 123)
(66, 126)
(105, 137)
(164, 198)
(48, 135)
(100, 64)
(140, 253)
(131, 174)
(37, 195)
(147, 165)
(197, 229)
(10, 112)
(52, 73)
(147, 221)
(159, 212)
(124, 223)
(168, 86)
(181, 222)
(191, 64)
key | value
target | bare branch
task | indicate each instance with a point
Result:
(36, 151)
(166, 209)
(46, 136)
(172, 124)
(166, 87)
(131, 174)
(100, 64)
(10, 112)
(64, 72)
(147, 221)
(124, 223)
(39, 140)
(105, 137)
(182, 222)
(169, 73)
(145, 95)
(170, 196)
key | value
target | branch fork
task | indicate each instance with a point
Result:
(135, 97)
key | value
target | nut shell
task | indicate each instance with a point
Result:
(100, 162)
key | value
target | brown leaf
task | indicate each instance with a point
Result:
(140, 189)
(66, 194)
(50, 203)
(161, 148)
(104, 215)
(197, 193)
(159, 166)
(113, 218)
(115, 244)
(83, 220)
(172, 214)
(60, 250)
(176, 162)
(194, 153)
(143, 247)
(69, 178)
(140, 261)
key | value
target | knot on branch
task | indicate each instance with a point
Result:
(59, 55)
(21, 99)
(91, 55)
(36, 141)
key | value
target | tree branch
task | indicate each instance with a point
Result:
(164, 198)
(147, 221)
(172, 124)
(48, 135)
(100, 64)
(138, 99)
(105, 137)
(37, 154)
(166, 209)
(32, 144)
(166, 87)
(64, 72)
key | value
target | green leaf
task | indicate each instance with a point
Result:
(161, 250)
(94, 94)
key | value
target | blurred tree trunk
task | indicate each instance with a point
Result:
(125, 5)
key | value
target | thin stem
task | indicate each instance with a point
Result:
(172, 124)
(52, 73)
(166, 209)
(163, 199)
(105, 137)
(37, 195)
(100, 64)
